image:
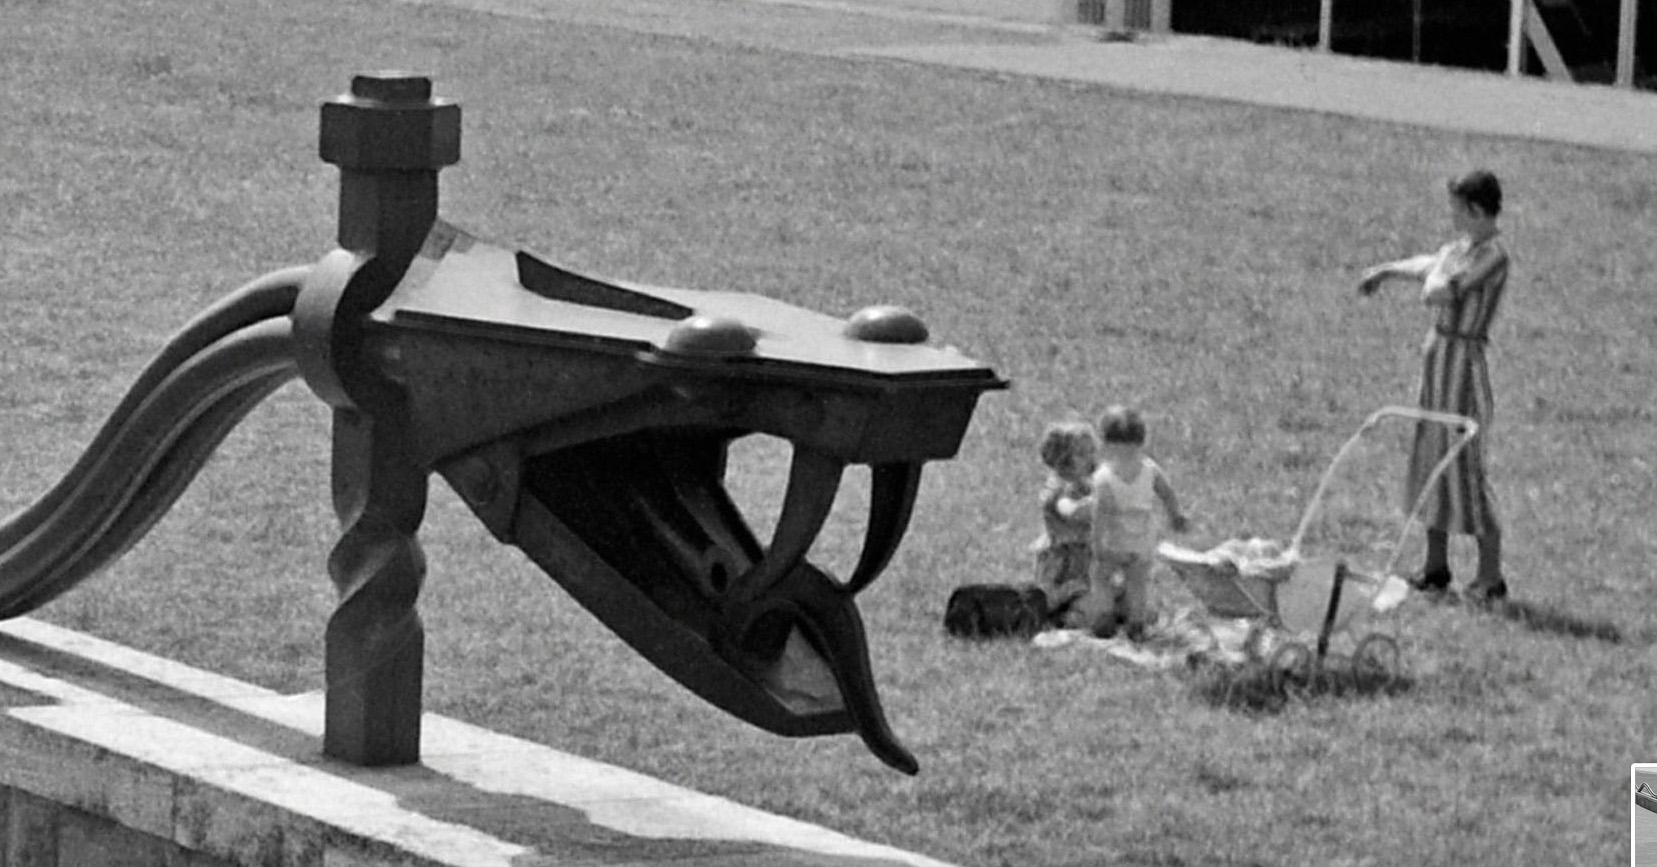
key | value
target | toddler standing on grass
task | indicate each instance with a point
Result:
(1125, 487)
(1070, 452)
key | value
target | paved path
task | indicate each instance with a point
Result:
(983, 14)
(1478, 102)
(986, 35)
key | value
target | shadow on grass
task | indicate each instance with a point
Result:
(1540, 619)
(1260, 688)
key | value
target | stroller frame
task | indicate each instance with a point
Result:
(1225, 591)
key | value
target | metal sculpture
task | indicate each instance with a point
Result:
(584, 421)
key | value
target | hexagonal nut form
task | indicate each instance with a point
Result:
(368, 135)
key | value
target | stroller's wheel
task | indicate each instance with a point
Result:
(1334, 674)
(1290, 668)
(1375, 662)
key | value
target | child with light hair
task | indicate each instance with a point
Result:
(1069, 450)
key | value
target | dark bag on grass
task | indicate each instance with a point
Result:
(995, 611)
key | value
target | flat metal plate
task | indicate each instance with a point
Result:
(464, 284)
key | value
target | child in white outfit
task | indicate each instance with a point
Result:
(1126, 486)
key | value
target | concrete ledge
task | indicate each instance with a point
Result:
(225, 771)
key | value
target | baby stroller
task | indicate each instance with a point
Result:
(1297, 605)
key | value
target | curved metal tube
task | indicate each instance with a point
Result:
(813, 481)
(891, 501)
(269, 296)
(215, 370)
(148, 497)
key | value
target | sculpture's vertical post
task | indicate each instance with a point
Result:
(375, 641)
(389, 139)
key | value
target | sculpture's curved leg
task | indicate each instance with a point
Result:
(891, 500)
(375, 641)
(813, 481)
(186, 401)
(269, 297)
(156, 491)
(93, 500)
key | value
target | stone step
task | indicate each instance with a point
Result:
(98, 741)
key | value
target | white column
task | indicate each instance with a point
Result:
(1326, 19)
(1626, 43)
(1162, 15)
(1536, 30)
(1515, 35)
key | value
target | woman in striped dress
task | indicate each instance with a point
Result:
(1462, 283)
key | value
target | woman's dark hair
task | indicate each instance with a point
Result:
(1120, 424)
(1480, 189)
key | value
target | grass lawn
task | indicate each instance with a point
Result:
(1196, 259)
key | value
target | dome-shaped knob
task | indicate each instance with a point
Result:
(710, 335)
(886, 324)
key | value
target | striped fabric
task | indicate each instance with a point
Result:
(1454, 378)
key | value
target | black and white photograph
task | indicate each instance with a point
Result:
(828, 433)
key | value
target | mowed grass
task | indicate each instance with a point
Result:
(1193, 258)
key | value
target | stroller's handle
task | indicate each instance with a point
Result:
(1468, 428)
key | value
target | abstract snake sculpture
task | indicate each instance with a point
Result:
(584, 421)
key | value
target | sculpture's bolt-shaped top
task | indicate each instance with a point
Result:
(390, 122)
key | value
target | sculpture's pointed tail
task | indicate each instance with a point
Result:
(639, 528)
